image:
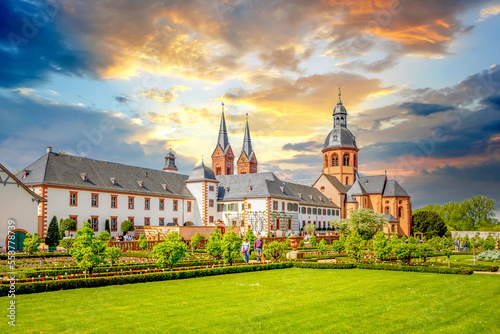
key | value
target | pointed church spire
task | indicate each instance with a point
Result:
(247, 143)
(223, 139)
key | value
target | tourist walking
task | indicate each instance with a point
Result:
(460, 245)
(465, 246)
(245, 248)
(456, 245)
(257, 246)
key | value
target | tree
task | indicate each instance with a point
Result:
(214, 244)
(113, 254)
(142, 242)
(274, 250)
(489, 242)
(479, 211)
(429, 223)
(67, 243)
(365, 221)
(250, 236)
(445, 246)
(231, 246)
(67, 224)
(170, 251)
(322, 246)
(31, 243)
(425, 250)
(52, 238)
(354, 244)
(104, 236)
(312, 240)
(338, 246)
(195, 241)
(310, 228)
(106, 226)
(381, 246)
(126, 226)
(405, 251)
(87, 251)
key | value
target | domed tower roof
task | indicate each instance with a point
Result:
(340, 136)
(201, 173)
(170, 162)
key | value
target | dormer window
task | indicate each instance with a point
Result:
(25, 173)
(84, 176)
(113, 180)
(300, 195)
(226, 189)
(141, 183)
(320, 198)
(311, 196)
(282, 189)
(249, 188)
(165, 186)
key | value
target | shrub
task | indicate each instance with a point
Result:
(31, 243)
(52, 238)
(67, 224)
(126, 226)
(423, 269)
(195, 241)
(104, 236)
(354, 245)
(425, 251)
(106, 226)
(113, 254)
(231, 246)
(337, 246)
(310, 228)
(322, 246)
(170, 251)
(489, 255)
(214, 244)
(312, 240)
(301, 243)
(67, 243)
(87, 251)
(142, 242)
(381, 246)
(489, 243)
(274, 250)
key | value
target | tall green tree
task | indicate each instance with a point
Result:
(31, 243)
(429, 223)
(365, 221)
(87, 251)
(250, 236)
(170, 251)
(231, 246)
(354, 245)
(214, 244)
(53, 236)
(106, 226)
(195, 241)
(381, 246)
(479, 210)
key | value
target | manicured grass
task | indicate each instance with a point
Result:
(279, 301)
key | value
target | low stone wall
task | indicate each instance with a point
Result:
(471, 234)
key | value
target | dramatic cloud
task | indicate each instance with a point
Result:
(425, 109)
(300, 147)
(165, 96)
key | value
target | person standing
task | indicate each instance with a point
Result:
(460, 245)
(245, 248)
(465, 246)
(257, 246)
(456, 245)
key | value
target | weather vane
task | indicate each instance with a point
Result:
(339, 91)
(222, 106)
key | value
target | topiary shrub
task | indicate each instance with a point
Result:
(126, 226)
(67, 224)
(301, 243)
(67, 243)
(322, 246)
(106, 226)
(312, 240)
(274, 250)
(143, 243)
(52, 238)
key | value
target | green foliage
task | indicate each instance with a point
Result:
(195, 241)
(231, 246)
(429, 223)
(302, 243)
(421, 269)
(338, 246)
(67, 243)
(325, 265)
(104, 236)
(113, 254)
(250, 236)
(126, 226)
(312, 240)
(365, 221)
(67, 224)
(214, 244)
(87, 251)
(445, 247)
(106, 226)
(170, 251)
(405, 251)
(310, 228)
(425, 251)
(31, 243)
(274, 250)
(381, 246)
(52, 238)
(489, 255)
(287, 242)
(354, 245)
(322, 246)
(142, 242)
(489, 242)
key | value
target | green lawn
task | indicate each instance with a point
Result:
(278, 301)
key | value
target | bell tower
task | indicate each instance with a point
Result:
(223, 157)
(170, 162)
(340, 153)
(247, 163)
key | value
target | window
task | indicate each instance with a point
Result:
(176, 221)
(335, 160)
(146, 203)
(130, 202)
(189, 206)
(162, 204)
(211, 203)
(114, 202)
(146, 221)
(289, 207)
(211, 188)
(95, 200)
(382, 228)
(249, 206)
(175, 205)
(400, 212)
(114, 224)
(75, 218)
(131, 219)
(73, 198)
(282, 206)
(220, 207)
(328, 212)
(242, 206)
(210, 219)
(308, 211)
(295, 207)
(324, 212)
(95, 223)
(346, 159)
(233, 222)
(275, 205)
(233, 207)
(314, 211)
(303, 210)
(162, 222)
(393, 228)
(346, 180)
(387, 210)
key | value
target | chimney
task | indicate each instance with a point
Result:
(49, 149)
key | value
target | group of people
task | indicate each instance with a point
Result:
(257, 247)
(121, 237)
(460, 246)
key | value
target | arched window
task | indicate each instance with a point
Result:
(326, 160)
(346, 159)
(400, 212)
(337, 121)
(328, 212)
(341, 120)
(217, 170)
(324, 212)
(335, 160)
(303, 210)
(387, 210)
(346, 180)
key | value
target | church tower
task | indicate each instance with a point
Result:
(170, 163)
(223, 157)
(340, 153)
(247, 163)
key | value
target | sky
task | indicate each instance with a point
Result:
(126, 81)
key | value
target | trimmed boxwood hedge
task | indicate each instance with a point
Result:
(55, 285)
(421, 269)
(312, 265)
(5, 256)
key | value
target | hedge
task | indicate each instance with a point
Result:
(326, 265)
(477, 267)
(5, 256)
(56, 285)
(421, 269)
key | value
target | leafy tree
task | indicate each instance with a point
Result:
(425, 250)
(287, 242)
(429, 223)
(231, 246)
(381, 246)
(301, 243)
(338, 246)
(195, 241)
(310, 228)
(489, 242)
(214, 244)
(354, 244)
(274, 250)
(126, 226)
(250, 236)
(170, 251)
(405, 251)
(31, 243)
(477, 241)
(104, 236)
(312, 240)
(67, 224)
(52, 238)
(113, 254)
(365, 221)
(446, 245)
(322, 246)
(106, 226)
(142, 242)
(87, 251)
(67, 243)
(479, 211)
